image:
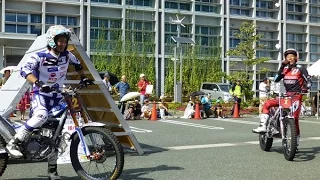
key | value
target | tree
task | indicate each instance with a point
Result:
(201, 63)
(246, 51)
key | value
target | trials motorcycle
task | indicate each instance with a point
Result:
(91, 143)
(281, 124)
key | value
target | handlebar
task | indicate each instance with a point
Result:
(73, 91)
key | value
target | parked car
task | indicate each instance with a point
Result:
(217, 90)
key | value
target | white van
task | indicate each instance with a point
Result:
(217, 90)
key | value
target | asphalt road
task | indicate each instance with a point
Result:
(215, 149)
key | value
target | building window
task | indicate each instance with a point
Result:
(234, 42)
(107, 1)
(175, 5)
(294, 7)
(239, 2)
(264, 4)
(139, 2)
(10, 28)
(294, 17)
(11, 17)
(22, 18)
(242, 12)
(314, 57)
(314, 48)
(35, 30)
(14, 28)
(62, 20)
(314, 38)
(35, 18)
(314, 19)
(50, 19)
(206, 8)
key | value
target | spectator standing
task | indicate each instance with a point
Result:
(5, 77)
(315, 99)
(122, 88)
(106, 81)
(7, 74)
(236, 92)
(142, 85)
(264, 88)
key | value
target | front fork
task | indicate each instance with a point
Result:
(78, 128)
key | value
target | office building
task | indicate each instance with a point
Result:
(290, 24)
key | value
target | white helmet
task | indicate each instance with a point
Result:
(54, 31)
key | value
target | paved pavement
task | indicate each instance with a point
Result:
(219, 149)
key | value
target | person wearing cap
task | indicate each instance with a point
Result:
(206, 103)
(142, 85)
(146, 110)
(236, 91)
(106, 81)
(264, 88)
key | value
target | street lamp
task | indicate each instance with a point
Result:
(179, 40)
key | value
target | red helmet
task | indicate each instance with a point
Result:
(291, 51)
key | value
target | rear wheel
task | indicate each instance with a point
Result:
(265, 142)
(3, 156)
(289, 142)
(107, 157)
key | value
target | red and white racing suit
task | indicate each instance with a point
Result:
(296, 80)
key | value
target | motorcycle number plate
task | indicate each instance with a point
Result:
(285, 102)
(76, 104)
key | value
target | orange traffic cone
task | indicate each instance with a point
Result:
(197, 113)
(236, 110)
(154, 112)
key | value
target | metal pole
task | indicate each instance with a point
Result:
(181, 67)
(318, 100)
(175, 75)
(178, 46)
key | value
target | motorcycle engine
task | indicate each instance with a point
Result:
(39, 145)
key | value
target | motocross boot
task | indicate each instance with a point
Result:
(13, 145)
(52, 172)
(262, 127)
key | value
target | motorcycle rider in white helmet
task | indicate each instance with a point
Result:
(296, 80)
(46, 70)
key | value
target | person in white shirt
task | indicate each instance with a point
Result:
(106, 81)
(264, 88)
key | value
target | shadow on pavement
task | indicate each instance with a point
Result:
(303, 154)
(46, 178)
(131, 174)
(138, 173)
(148, 149)
(23, 161)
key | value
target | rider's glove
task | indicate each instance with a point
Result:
(43, 88)
(85, 81)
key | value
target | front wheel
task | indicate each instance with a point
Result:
(3, 156)
(103, 145)
(265, 142)
(289, 142)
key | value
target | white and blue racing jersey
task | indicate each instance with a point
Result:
(49, 68)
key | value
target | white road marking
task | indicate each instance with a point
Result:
(190, 124)
(135, 129)
(201, 146)
(311, 122)
(255, 123)
(235, 121)
(204, 146)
